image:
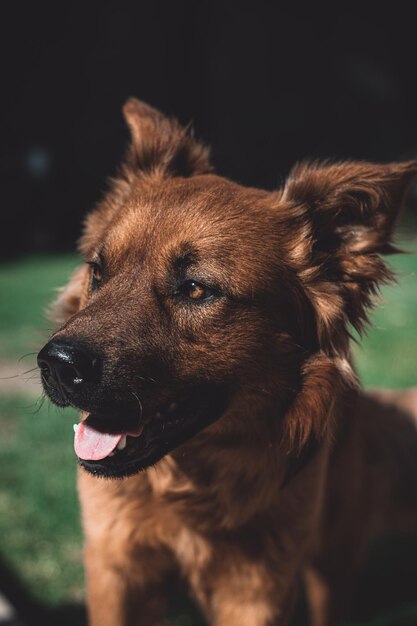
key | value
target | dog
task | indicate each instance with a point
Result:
(224, 438)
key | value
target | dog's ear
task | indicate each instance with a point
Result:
(162, 145)
(343, 216)
(70, 297)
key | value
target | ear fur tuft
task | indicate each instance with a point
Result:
(322, 380)
(344, 214)
(161, 145)
(69, 299)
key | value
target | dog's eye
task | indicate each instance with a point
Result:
(96, 274)
(195, 292)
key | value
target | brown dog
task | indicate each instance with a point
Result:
(206, 341)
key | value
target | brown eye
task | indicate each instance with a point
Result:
(96, 274)
(194, 291)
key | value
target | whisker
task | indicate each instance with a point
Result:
(18, 375)
(41, 403)
(140, 404)
(33, 376)
(147, 379)
(33, 379)
(25, 355)
(38, 404)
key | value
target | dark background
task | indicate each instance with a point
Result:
(265, 83)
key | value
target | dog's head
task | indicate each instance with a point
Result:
(201, 299)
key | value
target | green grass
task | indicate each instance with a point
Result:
(27, 287)
(40, 535)
(39, 519)
(387, 356)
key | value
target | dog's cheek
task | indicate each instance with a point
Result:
(228, 345)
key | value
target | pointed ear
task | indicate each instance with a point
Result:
(161, 145)
(344, 216)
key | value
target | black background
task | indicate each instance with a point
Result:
(265, 83)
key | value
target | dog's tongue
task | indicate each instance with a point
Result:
(92, 445)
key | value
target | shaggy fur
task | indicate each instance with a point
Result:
(302, 468)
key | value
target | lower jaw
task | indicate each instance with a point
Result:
(117, 469)
(146, 455)
(154, 442)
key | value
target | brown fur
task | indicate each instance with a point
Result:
(303, 468)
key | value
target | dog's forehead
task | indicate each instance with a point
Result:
(206, 214)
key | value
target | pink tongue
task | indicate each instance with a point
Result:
(92, 445)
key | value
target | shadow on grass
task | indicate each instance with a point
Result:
(32, 612)
(181, 611)
(386, 594)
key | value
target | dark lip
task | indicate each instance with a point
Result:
(123, 422)
(130, 406)
(156, 440)
(200, 405)
(142, 452)
(130, 409)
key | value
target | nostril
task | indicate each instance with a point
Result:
(45, 369)
(69, 376)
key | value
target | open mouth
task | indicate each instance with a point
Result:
(104, 451)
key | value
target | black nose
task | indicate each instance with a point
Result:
(67, 368)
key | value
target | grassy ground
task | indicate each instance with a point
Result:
(27, 287)
(40, 539)
(387, 356)
(39, 525)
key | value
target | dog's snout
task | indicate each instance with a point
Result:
(67, 367)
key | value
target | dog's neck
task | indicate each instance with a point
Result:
(224, 473)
